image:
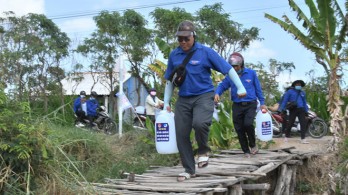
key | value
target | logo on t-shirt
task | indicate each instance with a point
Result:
(194, 62)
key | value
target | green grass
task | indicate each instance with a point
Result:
(78, 155)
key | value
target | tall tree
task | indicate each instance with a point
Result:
(13, 57)
(213, 27)
(324, 33)
(167, 21)
(224, 35)
(30, 45)
(48, 46)
(117, 35)
(101, 48)
(135, 43)
(278, 67)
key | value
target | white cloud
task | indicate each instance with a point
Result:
(22, 7)
(257, 52)
(78, 25)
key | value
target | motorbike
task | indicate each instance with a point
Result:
(316, 127)
(102, 123)
(139, 116)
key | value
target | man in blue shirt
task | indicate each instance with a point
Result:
(92, 106)
(295, 94)
(244, 109)
(195, 105)
(78, 111)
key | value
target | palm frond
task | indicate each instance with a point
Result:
(300, 15)
(313, 27)
(327, 18)
(158, 67)
(342, 20)
(312, 8)
(292, 29)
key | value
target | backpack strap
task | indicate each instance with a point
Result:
(187, 58)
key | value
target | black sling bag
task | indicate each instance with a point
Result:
(177, 77)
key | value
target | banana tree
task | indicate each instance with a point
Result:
(324, 34)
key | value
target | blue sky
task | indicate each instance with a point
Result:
(75, 18)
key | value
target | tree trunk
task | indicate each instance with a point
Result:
(337, 125)
(62, 98)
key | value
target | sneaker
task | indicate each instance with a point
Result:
(254, 150)
(79, 125)
(304, 141)
(246, 155)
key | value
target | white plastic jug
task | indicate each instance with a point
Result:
(264, 126)
(165, 136)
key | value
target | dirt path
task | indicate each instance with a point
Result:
(315, 145)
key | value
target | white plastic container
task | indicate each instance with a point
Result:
(165, 136)
(264, 126)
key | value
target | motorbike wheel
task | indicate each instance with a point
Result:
(136, 123)
(317, 128)
(277, 130)
(110, 127)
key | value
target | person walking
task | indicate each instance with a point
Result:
(195, 105)
(152, 103)
(244, 109)
(77, 109)
(295, 101)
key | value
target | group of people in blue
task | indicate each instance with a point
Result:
(197, 95)
(86, 108)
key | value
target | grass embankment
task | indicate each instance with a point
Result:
(82, 155)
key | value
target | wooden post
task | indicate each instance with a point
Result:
(236, 190)
(293, 180)
(280, 181)
(287, 181)
(261, 186)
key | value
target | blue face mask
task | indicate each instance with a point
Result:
(298, 87)
(239, 71)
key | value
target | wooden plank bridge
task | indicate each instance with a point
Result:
(228, 173)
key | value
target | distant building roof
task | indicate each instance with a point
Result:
(88, 82)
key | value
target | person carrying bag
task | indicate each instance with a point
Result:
(177, 77)
(293, 104)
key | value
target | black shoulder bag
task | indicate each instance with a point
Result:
(177, 77)
(292, 105)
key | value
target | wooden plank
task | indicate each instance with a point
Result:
(261, 186)
(226, 170)
(237, 161)
(237, 173)
(156, 189)
(108, 191)
(286, 149)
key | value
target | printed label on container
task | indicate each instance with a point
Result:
(162, 132)
(266, 128)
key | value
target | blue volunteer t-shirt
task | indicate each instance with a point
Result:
(294, 95)
(198, 77)
(251, 84)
